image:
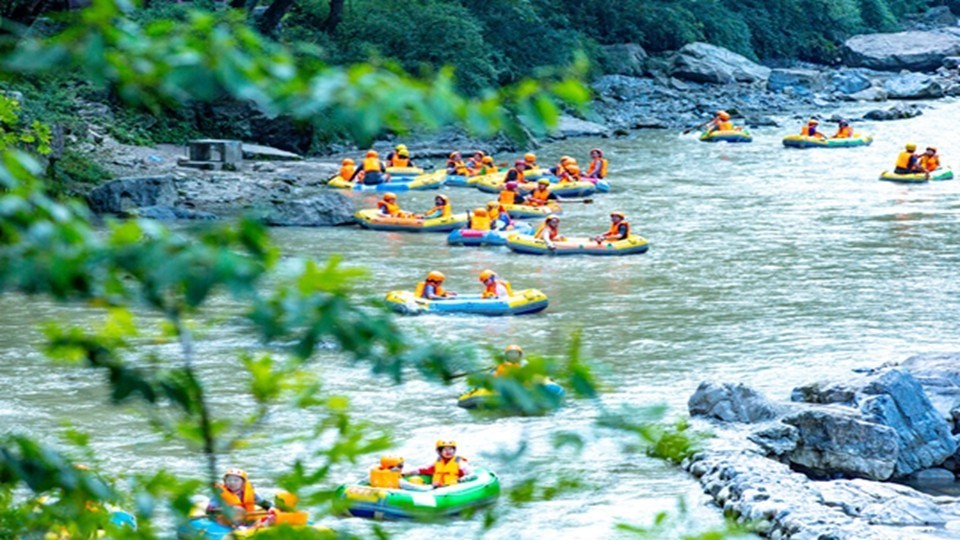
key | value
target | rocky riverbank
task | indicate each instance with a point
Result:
(834, 461)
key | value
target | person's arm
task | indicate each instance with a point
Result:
(464, 470)
(261, 502)
(426, 470)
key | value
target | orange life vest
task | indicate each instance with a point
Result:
(346, 171)
(445, 210)
(567, 176)
(459, 167)
(539, 196)
(422, 287)
(447, 473)
(844, 133)
(390, 208)
(371, 164)
(246, 500)
(480, 223)
(503, 368)
(397, 161)
(517, 176)
(598, 168)
(384, 478)
(508, 197)
(805, 131)
(614, 231)
(494, 213)
(491, 289)
(552, 232)
(930, 163)
(904, 160)
(724, 125)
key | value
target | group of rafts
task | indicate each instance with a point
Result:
(910, 168)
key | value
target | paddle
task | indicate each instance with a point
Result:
(688, 130)
(584, 201)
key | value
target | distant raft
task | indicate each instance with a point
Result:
(422, 182)
(519, 303)
(483, 398)
(728, 135)
(373, 219)
(200, 525)
(803, 141)
(521, 211)
(630, 245)
(474, 237)
(479, 489)
(945, 173)
(582, 188)
(404, 173)
(459, 180)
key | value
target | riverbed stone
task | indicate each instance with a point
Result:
(799, 80)
(732, 403)
(897, 112)
(849, 81)
(125, 194)
(874, 93)
(912, 50)
(568, 126)
(935, 476)
(913, 86)
(322, 210)
(702, 62)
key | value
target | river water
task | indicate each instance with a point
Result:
(769, 266)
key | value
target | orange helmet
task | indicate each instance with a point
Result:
(348, 161)
(236, 472)
(530, 157)
(387, 462)
(441, 443)
(436, 276)
(372, 153)
(813, 122)
(565, 159)
(487, 274)
(493, 204)
(618, 213)
(488, 159)
(573, 168)
(454, 154)
(724, 115)
(389, 196)
(480, 212)
(480, 152)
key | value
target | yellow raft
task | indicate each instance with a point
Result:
(520, 211)
(401, 172)
(804, 141)
(728, 135)
(373, 219)
(524, 243)
(945, 173)
(519, 303)
(494, 184)
(424, 181)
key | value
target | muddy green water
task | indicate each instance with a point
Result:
(767, 265)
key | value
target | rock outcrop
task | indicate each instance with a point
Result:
(125, 194)
(914, 51)
(798, 80)
(913, 86)
(624, 59)
(323, 210)
(702, 62)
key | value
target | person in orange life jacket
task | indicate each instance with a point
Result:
(810, 130)
(499, 218)
(929, 160)
(509, 193)
(516, 173)
(494, 287)
(388, 206)
(389, 474)
(432, 287)
(449, 467)
(907, 161)
(456, 165)
(512, 358)
(238, 494)
(441, 208)
(530, 160)
(541, 195)
(844, 131)
(570, 173)
(619, 229)
(549, 231)
(486, 166)
(347, 169)
(476, 162)
(373, 170)
(558, 169)
(597, 169)
(400, 157)
(721, 122)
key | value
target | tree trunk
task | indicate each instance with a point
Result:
(333, 17)
(271, 17)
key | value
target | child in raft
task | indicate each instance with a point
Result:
(441, 208)
(449, 467)
(389, 475)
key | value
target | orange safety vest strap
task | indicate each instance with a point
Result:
(229, 498)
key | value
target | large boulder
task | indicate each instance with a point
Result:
(732, 403)
(897, 112)
(568, 126)
(624, 59)
(849, 82)
(913, 86)
(123, 195)
(171, 213)
(705, 63)
(804, 81)
(915, 50)
(939, 374)
(323, 210)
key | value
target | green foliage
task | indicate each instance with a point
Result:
(79, 168)
(13, 134)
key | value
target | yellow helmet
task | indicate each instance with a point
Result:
(401, 148)
(813, 122)
(530, 157)
(436, 276)
(389, 196)
(444, 198)
(724, 115)
(348, 161)
(552, 216)
(372, 153)
(403, 153)
(236, 472)
(493, 204)
(488, 160)
(480, 212)
(441, 443)
(388, 462)
(619, 214)
(514, 348)
(544, 181)
(487, 274)
(911, 147)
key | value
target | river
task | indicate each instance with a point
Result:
(767, 265)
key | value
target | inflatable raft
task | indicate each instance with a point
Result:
(422, 182)
(209, 529)
(521, 303)
(474, 237)
(373, 219)
(945, 173)
(631, 245)
(481, 488)
(484, 398)
(730, 135)
(803, 141)
(521, 211)
(404, 173)
(458, 180)
(563, 189)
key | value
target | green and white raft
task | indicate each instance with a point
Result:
(479, 489)
(803, 141)
(945, 173)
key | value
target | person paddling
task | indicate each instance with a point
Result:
(619, 229)
(844, 130)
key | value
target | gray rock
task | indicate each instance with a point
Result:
(933, 477)
(568, 126)
(125, 194)
(777, 440)
(732, 403)
(323, 210)
(624, 59)
(171, 213)
(267, 153)
(898, 112)
(939, 16)
(702, 62)
(849, 82)
(874, 93)
(804, 81)
(914, 50)
(951, 62)
(939, 374)
(913, 86)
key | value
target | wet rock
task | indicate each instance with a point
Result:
(259, 152)
(651, 123)
(799, 80)
(624, 59)
(939, 374)
(171, 213)
(939, 16)
(913, 86)
(323, 210)
(125, 194)
(951, 62)
(849, 82)
(732, 403)
(933, 477)
(914, 50)
(702, 62)
(898, 112)
(568, 126)
(874, 93)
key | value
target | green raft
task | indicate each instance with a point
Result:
(918, 178)
(803, 141)
(481, 488)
